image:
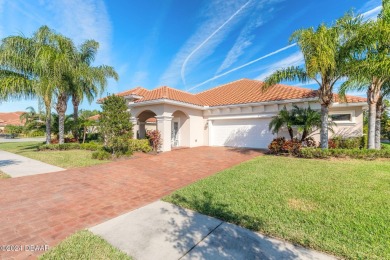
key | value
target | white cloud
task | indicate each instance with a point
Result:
(83, 20)
(295, 59)
(369, 5)
(200, 44)
(242, 66)
(246, 36)
(373, 13)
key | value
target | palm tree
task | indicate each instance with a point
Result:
(307, 120)
(88, 81)
(324, 64)
(369, 65)
(283, 119)
(33, 67)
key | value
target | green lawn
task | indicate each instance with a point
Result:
(386, 145)
(63, 159)
(84, 245)
(337, 206)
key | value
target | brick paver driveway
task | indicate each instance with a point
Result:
(44, 209)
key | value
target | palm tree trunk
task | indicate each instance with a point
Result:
(84, 133)
(324, 126)
(371, 125)
(373, 96)
(304, 135)
(291, 133)
(48, 124)
(378, 117)
(61, 110)
(76, 103)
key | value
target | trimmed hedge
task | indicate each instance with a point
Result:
(343, 153)
(59, 147)
(91, 146)
(140, 145)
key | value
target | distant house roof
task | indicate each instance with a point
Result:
(11, 118)
(94, 118)
(242, 91)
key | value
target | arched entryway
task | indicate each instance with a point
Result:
(180, 129)
(146, 121)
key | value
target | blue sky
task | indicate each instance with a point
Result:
(191, 45)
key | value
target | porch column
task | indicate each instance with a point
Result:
(142, 130)
(164, 125)
(210, 125)
(134, 121)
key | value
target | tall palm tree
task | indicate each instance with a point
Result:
(324, 64)
(369, 66)
(88, 81)
(33, 67)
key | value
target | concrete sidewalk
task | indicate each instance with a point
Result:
(161, 230)
(22, 140)
(18, 166)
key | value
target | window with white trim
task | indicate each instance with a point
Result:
(341, 117)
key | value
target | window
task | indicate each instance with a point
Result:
(341, 117)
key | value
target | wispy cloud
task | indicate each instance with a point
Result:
(244, 39)
(77, 19)
(295, 59)
(373, 13)
(216, 15)
(242, 66)
(183, 67)
(82, 20)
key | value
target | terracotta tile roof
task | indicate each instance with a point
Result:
(163, 93)
(11, 118)
(151, 120)
(237, 92)
(250, 91)
(94, 118)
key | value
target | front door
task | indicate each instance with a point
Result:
(175, 133)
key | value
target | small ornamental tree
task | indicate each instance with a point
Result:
(155, 139)
(114, 121)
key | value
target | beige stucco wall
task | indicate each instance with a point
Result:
(191, 121)
(194, 122)
(347, 129)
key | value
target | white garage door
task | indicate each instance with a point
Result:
(251, 133)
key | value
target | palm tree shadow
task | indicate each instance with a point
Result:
(202, 237)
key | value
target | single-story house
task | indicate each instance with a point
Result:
(236, 114)
(10, 118)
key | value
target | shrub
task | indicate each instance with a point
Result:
(339, 142)
(309, 142)
(13, 130)
(292, 146)
(155, 139)
(59, 147)
(91, 146)
(280, 145)
(101, 155)
(276, 146)
(139, 145)
(341, 153)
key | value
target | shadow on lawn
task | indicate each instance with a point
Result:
(220, 240)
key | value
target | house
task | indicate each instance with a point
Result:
(236, 114)
(11, 118)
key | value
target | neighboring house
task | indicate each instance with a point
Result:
(11, 118)
(236, 114)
